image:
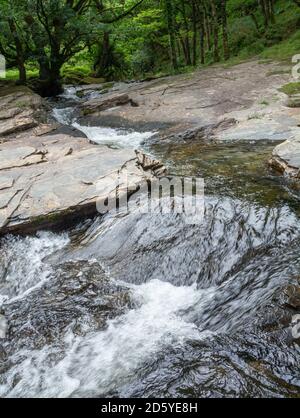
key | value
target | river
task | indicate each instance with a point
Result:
(141, 305)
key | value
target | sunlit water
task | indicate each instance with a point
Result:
(135, 304)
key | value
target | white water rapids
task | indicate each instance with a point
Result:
(98, 361)
(120, 138)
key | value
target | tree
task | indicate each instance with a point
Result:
(215, 30)
(14, 40)
(245, 8)
(267, 8)
(60, 29)
(106, 57)
(225, 30)
(171, 29)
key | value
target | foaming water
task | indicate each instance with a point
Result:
(70, 93)
(64, 116)
(101, 361)
(22, 266)
(113, 137)
(119, 138)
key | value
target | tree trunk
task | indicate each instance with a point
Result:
(202, 32)
(207, 29)
(22, 72)
(19, 51)
(215, 30)
(171, 29)
(225, 30)
(265, 12)
(186, 38)
(202, 51)
(194, 34)
(271, 11)
(188, 51)
(253, 17)
(55, 79)
(185, 52)
(103, 60)
(50, 81)
(178, 48)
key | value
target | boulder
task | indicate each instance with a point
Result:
(100, 104)
(148, 163)
(286, 158)
(20, 110)
(19, 123)
(51, 181)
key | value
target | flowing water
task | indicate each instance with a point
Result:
(141, 305)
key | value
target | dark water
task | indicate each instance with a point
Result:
(145, 305)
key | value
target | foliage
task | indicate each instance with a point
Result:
(291, 88)
(123, 39)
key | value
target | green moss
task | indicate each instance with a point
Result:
(108, 85)
(22, 104)
(93, 80)
(51, 218)
(291, 88)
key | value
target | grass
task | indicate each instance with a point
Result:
(279, 42)
(264, 103)
(13, 74)
(283, 50)
(291, 88)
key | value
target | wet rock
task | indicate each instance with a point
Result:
(98, 105)
(3, 326)
(79, 297)
(148, 163)
(206, 132)
(286, 158)
(292, 297)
